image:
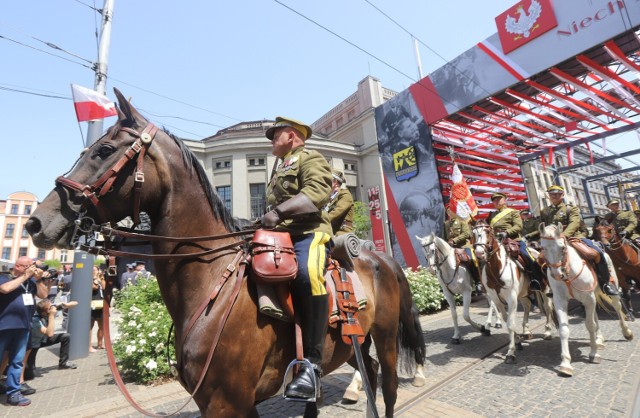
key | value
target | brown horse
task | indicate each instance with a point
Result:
(253, 350)
(625, 258)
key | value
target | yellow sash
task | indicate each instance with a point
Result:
(500, 215)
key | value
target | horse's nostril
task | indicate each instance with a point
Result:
(33, 225)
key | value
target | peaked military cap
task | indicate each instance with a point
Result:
(525, 211)
(613, 202)
(497, 195)
(339, 176)
(282, 122)
(555, 189)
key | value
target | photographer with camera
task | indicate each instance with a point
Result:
(49, 277)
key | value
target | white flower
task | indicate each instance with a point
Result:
(142, 341)
(159, 347)
(132, 323)
(151, 365)
(152, 334)
(130, 349)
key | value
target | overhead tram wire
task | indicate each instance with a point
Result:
(45, 52)
(13, 89)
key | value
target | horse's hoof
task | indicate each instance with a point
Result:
(497, 326)
(350, 396)
(519, 346)
(565, 371)
(510, 359)
(547, 336)
(630, 318)
(485, 331)
(629, 337)
(527, 336)
(595, 359)
(419, 381)
(455, 341)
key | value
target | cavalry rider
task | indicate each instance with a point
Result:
(458, 234)
(624, 221)
(506, 223)
(573, 227)
(340, 206)
(529, 222)
(300, 185)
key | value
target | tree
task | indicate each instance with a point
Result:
(361, 220)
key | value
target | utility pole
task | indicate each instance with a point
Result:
(418, 60)
(81, 286)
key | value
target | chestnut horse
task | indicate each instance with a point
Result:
(625, 259)
(253, 350)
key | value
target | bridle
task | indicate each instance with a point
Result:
(436, 253)
(92, 193)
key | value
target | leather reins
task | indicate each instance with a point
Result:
(564, 264)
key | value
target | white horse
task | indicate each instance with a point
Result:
(571, 277)
(455, 279)
(504, 282)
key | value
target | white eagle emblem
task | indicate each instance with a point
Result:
(524, 24)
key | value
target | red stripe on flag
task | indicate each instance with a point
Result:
(410, 257)
(92, 110)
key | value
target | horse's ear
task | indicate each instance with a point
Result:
(559, 228)
(126, 111)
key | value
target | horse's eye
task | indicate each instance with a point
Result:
(105, 150)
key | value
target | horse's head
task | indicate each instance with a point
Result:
(604, 232)
(428, 244)
(482, 240)
(130, 169)
(555, 248)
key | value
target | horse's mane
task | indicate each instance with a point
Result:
(220, 211)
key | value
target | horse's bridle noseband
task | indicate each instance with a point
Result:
(92, 193)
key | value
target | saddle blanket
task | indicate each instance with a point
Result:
(269, 304)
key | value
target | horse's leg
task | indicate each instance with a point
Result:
(512, 309)
(591, 321)
(547, 304)
(626, 300)
(493, 310)
(451, 300)
(617, 306)
(526, 304)
(561, 303)
(466, 303)
(352, 393)
(371, 366)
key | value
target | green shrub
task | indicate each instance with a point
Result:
(141, 346)
(426, 291)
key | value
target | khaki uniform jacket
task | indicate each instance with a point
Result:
(625, 220)
(568, 216)
(506, 220)
(340, 210)
(530, 225)
(302, 171)
(457, 231)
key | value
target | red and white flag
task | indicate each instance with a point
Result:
(569, 156)
(90, 105)
(461, 202)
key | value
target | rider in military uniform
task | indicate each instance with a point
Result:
(506, 223)
(300, 185)
(340, 206)
(529, 222)
(458, 234)
(573, 227)
(624, 221)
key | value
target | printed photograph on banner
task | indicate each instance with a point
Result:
(408, 163)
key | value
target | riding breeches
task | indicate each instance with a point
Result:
(602, 269)
(312, 255)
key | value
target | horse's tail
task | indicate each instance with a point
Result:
(603, 300)
(412, 348)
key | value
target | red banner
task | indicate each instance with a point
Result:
(524, 22)
(375, 213)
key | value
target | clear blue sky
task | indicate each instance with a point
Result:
(210, 64)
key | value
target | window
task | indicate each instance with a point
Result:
(27, 209)
(350, 166)
(258, 204)
(42, 254)
(225, 195)
(63, 256)
(8, 233)
(25, 234)
(14, 209)
(255, 162)
(221, 164)
(22, 252)
(6, 253)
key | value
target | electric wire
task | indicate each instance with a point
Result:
(45, 52)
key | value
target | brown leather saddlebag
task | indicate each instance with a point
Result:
(273, 258)
(513, 247)
(584, 250)
(461, 255)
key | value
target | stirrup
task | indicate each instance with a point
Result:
(293, 363)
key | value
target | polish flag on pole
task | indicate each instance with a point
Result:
(90, 105)
(461, 202)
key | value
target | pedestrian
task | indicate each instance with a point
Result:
(97, 302)
(18, 290)
(340, 206)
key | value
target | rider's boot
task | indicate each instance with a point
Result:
(602, 271)
(315, 316)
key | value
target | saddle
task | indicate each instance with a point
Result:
(584, 250)
(513, 250)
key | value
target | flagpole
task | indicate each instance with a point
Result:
(81, 286)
